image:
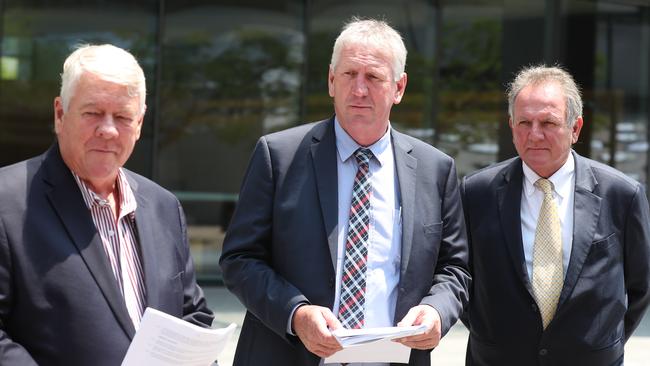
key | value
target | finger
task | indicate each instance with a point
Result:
(423, 343)
(416, 338)
(420, 345)
(325, 350)
(409, 318)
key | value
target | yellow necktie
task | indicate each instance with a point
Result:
(548, 275)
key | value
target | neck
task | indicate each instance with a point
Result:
(103, 188)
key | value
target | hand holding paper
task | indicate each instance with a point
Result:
(422, 315)
(373, 344)
(312, 324)
(166, 340)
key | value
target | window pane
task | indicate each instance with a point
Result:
(37, 36)
(231, 73)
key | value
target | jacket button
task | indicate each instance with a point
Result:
(543, 352)
(533, 306)
(331, 283)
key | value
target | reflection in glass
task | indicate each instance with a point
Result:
(35, 41)
(230, 74)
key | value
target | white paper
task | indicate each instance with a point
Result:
(166, 340)
(373, 344)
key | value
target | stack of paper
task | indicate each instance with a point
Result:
(166, 340)
(373, 344)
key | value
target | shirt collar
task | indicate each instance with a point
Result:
(561, 179)
(346, 146)
(126, 198)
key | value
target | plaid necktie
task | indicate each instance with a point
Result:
(353, 281)
(548, 275)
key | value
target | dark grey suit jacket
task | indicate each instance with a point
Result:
(280, 248)
(59, 301)
(606, 289)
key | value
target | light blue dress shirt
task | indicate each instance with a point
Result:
(384, 252)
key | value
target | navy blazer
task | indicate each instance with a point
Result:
(280, 248)
(59, 301)
(606, 287)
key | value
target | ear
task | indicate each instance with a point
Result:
(401, 88)
(138, 127)
(330, 81)
(58, 114)
(575, 131)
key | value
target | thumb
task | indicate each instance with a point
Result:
(331, 320)
(409, 318)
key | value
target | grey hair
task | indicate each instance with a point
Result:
(540, 74)
(109, 63)
(376, 34)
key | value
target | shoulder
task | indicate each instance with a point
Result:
(298, 133)
(606, 176)
(492, 173)
(419, 149)
(16, 177)
(147, 188)
(287, 145)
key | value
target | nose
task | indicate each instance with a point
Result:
(360, 87)
(536, 131)
(107, 128)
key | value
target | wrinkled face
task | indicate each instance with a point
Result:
(364, 92)
(539, 128)
(98, 132)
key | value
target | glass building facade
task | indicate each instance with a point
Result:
(222, 73)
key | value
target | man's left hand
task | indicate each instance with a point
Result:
(422, 314)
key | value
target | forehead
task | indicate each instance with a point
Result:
(545, 96)
(364, 55)
(92, 88)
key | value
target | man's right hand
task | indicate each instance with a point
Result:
(313, 325)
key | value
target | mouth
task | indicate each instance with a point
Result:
(360, 106)
(537, 150)
(103, 151)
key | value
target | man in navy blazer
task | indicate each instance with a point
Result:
(283, 254)
(604, 281)
(62, 301)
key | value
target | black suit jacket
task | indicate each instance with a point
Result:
(606, 288)
(59, 301)
(280, 248)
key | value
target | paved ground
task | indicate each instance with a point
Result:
(451, 351)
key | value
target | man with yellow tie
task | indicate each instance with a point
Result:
(559, 244)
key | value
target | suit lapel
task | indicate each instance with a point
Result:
(323, 153)
(509, 201)
(68, 203)
(585, 219)
(147, 243)
(406, 175)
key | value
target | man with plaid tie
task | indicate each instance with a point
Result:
(346, 222)
(560, 244)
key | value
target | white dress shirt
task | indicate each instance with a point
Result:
(531, 202)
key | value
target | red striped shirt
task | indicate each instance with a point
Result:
(120, 241)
